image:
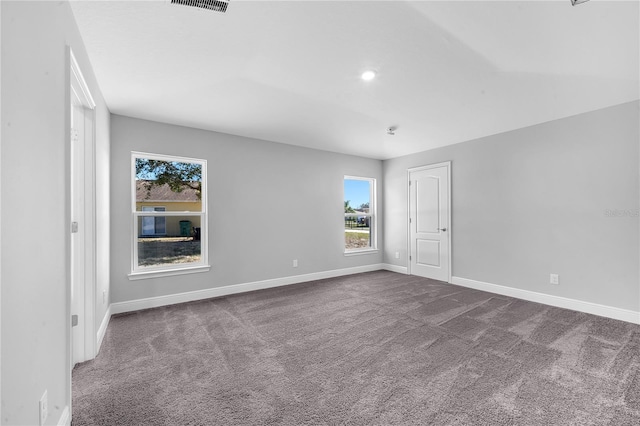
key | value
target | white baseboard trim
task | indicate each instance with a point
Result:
(395, 268)
(547, 299)
(103, 329)
(64, 417)
(154, 302)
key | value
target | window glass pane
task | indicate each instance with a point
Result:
(168, 240)
(358, 210)
(357, 195)
(175, 185)
(170, 226)
(357, 232)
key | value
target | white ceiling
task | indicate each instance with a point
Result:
(289, 71)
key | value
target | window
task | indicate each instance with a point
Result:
(169, 215)
(359, 214)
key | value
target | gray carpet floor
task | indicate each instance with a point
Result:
(376, 348)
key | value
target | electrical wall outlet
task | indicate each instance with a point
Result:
(295, 263)
(104, 296)
(397, 255)
(44, 408)
(554, 279)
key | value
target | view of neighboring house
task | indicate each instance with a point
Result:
(160, 198)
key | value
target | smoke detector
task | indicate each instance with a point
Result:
(215, 5)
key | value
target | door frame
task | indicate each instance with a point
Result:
(446, 164)
(77, 87)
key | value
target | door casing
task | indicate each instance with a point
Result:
(77, 89)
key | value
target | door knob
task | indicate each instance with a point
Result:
(442, 229)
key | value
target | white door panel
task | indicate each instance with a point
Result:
(429, 227)
(427, 205)
(428, 252)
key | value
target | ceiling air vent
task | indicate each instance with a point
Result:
(215, 5)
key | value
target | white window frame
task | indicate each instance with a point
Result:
(372, 215)
(138, 272)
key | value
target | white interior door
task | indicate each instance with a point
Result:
(77, 229)
(429, 222)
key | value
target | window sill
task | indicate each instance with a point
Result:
(359, 252)
(157, 273)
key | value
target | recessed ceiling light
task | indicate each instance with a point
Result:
(368, 75)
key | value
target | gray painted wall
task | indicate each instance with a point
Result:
(532, 202)
(35, 216)
(269, 203)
